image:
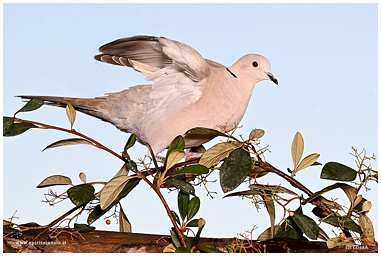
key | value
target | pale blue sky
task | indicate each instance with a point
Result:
(324, 56)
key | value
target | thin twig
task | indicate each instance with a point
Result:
(49, 226)
(96, 144)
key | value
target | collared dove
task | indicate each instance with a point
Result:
(187, 91)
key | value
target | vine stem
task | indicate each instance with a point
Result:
(157, 191)
(269, 168)
(100, 146)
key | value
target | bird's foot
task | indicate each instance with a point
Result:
(160, 159)
(188, 156)
(192, 155)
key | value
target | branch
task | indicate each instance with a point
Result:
(99, 145)
(50, 225)
(269, 168)
(178, 231)
(72, 131)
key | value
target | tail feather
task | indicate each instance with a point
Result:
(87, 106)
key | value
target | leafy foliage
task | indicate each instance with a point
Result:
(237, 161)
(31, 105)
(16, 128)
(337, 171)
(55, 180)
(235, 169)
(81, 194)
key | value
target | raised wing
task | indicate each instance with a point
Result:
(178, 71)
(149, 54)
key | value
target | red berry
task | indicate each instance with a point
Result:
(291, 214)
(108, 222)
(342, 235)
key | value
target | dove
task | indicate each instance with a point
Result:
(186, 91)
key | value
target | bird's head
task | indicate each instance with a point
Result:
(253, 67)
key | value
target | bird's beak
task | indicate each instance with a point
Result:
(272, 77)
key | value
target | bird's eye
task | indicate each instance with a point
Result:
(255, 64)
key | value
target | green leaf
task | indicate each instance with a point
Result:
(83, 228)
(197, 237)
(269, 203)
(123, 170)
(153, 158)
(131, 165)
(19, 128)
(246, 193)
(337, 171)
(359, 206)
(31, 105)
(175, 156)
(131, 184)
(299, 210)
(267, 234)
(307, 225)
(67, 142)
(259, 189)
(206, 132)
(98, 212)
(343, 222)
(193, 207)
(112, 189)
(188, 242)
(55, 180)
(297, 148)
(182, 185)
(95, 214)
(81, 194)
(192, 169)
(256, 134)
(181, 249)
(71, 114)
(177, 143)
(7, 124)
(124, 223)
(176, 217)
(366, 227)
(273, 189)
(130, 142)
(175, 239)
(212, 249)
(349, 191)
(319, 212)
(330, 203)
(216, 153)
(30, 224)
(289, 228)
(234, 169)
(193, 223)
(198, 149)
(183, 202)
(322, 235)
(256, 171)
